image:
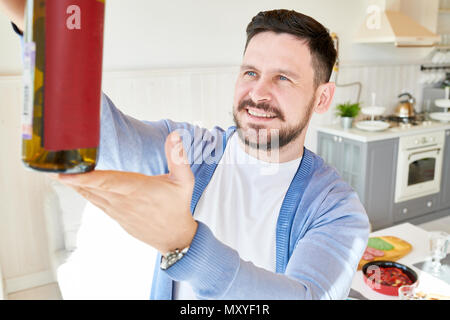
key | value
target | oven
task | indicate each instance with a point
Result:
(419, 165)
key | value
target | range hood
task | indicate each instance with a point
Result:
(385, 23)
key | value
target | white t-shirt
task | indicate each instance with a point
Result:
(241, 205)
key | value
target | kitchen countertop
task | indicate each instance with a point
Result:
(390, 133)
(418, 238)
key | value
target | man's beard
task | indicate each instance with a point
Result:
(268, 139)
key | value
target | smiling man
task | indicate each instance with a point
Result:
(225, 229)
(278, 89)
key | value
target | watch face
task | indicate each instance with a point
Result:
(172, 257)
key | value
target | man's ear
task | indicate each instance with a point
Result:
(325, 94)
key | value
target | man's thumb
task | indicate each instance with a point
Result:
(177, 160)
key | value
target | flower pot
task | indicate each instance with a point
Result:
(346, 122)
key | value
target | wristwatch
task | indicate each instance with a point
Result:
(172, 257)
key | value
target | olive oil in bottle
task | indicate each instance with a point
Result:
(63, 50)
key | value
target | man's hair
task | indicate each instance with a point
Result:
(315, 35)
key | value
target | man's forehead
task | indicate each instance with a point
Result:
(278, 51)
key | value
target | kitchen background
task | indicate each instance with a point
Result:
(178, 60)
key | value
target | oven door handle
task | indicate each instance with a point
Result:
(423, 151)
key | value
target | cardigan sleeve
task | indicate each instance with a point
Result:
(128, 144)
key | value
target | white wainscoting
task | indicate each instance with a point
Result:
(39, 218)
(2, 285)
(23, 236)
(200, 96)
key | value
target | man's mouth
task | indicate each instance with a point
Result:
(258, 114)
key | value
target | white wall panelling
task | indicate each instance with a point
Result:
(23, 236)
(2, 285)
(203, 96)
(30, 280)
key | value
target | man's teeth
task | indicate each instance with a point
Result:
(262, 115)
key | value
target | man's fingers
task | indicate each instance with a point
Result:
(97, 178)
(95, 199)
(113, 181)
(100, 199)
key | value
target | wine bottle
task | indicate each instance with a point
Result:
(63, 51)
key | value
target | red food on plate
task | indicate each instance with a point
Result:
(386, 277)
(389, 276)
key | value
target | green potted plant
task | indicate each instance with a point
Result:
(347, 111)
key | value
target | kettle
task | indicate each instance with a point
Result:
(405, 107)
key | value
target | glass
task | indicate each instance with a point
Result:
(408, 293)
(438, 249)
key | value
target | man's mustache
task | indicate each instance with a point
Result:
(266, 107)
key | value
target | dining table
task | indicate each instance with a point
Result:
(415, 259)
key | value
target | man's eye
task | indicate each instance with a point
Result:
(283, 78)
(250, 73)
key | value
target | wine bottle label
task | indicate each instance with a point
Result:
(73, 73)
(28, 88)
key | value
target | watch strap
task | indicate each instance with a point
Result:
(171, 257)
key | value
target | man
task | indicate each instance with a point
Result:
(224, 227)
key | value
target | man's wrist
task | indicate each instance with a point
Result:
(183, 240)
(177, 251)
(209, 265)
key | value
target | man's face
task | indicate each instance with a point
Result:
(274, 93)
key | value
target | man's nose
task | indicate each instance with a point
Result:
(261, 91)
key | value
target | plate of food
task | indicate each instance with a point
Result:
(386, 277)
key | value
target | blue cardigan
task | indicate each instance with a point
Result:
(322, 228)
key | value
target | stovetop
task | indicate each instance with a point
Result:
(420, 119)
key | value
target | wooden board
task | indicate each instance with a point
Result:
(385, 248)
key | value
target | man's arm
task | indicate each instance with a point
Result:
(129, 144)
(15, 11)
